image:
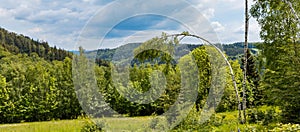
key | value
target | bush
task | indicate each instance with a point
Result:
(263, 117)
(286, 128)
(92, 127)
(194, 122)
(254, 128)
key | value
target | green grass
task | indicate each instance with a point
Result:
(49, 126)
(112, 124)
(126, 124)
(226, 121)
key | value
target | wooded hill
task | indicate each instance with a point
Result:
(233, 51)
(18, 43)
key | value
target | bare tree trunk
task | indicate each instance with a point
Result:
(245, 59)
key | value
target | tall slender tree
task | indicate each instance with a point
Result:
(245, 59)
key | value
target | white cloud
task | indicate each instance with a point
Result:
(59, 20)
(35, 30)
(254, 30)
(218, 27)
(253, 27)
(87, 0)
(4, 12)
(209, 13)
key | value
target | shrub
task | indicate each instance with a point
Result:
(286, 128)
(92, 127)
(263, 117)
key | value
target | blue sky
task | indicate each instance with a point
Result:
(61, 22)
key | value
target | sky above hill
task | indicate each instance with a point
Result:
(60, 22)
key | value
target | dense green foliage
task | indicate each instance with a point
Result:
(36, 81)
(254, 92)
(280, 55)
(33, 89)
(91, 127)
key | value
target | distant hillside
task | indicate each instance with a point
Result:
(18, 43)
(108, 54)
(235, 49)
(104, 55)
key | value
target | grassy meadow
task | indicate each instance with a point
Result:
(220, 122)
(48, 126)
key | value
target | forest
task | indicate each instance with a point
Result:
(37, 80)
(37, 87)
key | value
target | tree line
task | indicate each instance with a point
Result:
(36, 89)
(33, 89)
(15, 43)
